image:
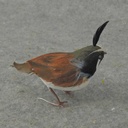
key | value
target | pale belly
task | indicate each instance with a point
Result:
(74, 88)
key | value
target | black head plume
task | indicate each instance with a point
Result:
(98, 33)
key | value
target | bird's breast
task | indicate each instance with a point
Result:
(65, 88)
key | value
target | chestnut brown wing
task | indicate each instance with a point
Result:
(57, 68)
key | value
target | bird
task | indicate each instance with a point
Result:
(66, 71)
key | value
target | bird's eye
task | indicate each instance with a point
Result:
(100, 56)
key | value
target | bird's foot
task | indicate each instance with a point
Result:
(59, 104)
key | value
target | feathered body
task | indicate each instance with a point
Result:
(66, 71)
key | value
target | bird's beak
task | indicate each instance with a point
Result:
(100, 59)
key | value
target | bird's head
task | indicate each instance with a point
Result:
(87, 58)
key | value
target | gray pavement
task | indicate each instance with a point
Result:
(29, 28)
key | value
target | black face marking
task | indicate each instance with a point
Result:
(90, 63)
(90, 68)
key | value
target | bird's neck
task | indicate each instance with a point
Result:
(90, 67)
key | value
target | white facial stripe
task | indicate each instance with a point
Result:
(99, 50)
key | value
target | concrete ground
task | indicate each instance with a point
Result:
(29, 28)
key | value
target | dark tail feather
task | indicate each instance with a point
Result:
(98, 33)
(25, 67)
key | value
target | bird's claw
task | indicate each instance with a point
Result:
(59, 104)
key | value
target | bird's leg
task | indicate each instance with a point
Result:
(60, 103)
(68, 92)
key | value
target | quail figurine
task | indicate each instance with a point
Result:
(66, 71)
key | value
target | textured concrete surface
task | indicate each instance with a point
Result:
(29, 28)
